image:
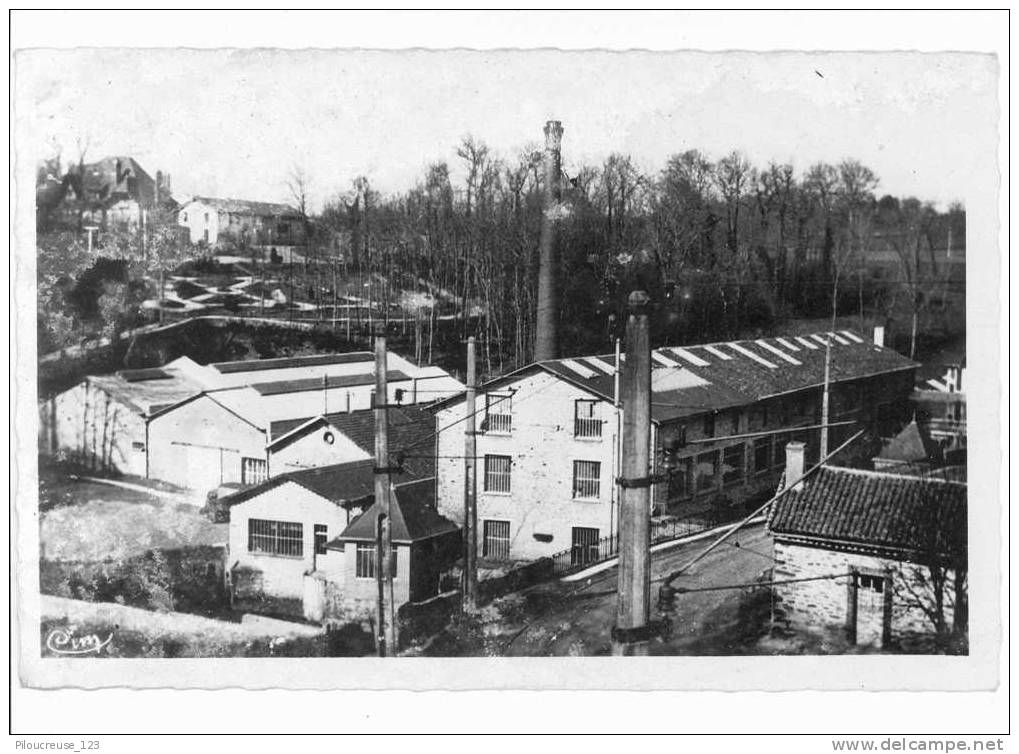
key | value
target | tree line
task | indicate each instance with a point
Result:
(724, 247)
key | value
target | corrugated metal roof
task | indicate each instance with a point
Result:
(292, 362)
(875, 509)
(737, 373)
(330, 381)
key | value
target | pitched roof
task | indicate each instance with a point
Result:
(413, 516)
(876, 510)
(331, 381)
(148, 391)
(292, 362)
(246, 207)
(409, 427)
(722, 375)
(342, 483)
(911, 444)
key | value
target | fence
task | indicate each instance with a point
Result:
(587, 552)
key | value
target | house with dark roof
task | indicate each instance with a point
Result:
(213, 222)
(290, 529)
(548, 434)
(425, 546)
(880, 556)
(348, 436)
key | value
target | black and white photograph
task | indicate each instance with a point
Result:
(330, 359)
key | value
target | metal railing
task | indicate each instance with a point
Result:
(587, 427)
(583, 555)
(499, 423)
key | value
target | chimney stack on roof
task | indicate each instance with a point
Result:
(794, 465)
(879, 335)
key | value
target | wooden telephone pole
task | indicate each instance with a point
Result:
(470, 593)
(387, 637)
(630, 634)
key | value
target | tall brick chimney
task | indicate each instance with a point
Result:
(546, 339)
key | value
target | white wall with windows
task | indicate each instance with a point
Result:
(545, 467)
(283, 534)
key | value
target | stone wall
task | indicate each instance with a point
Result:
(825, 603)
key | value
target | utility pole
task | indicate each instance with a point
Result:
(383, 496)
(546, 345)
(826, 398)
(470, 598)
(631, 632)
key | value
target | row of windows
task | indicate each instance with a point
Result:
(587, 422)
(498, 477)
(585, 542)
(283, 538)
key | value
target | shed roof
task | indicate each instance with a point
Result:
(148, 391)
(413, 517)
(874, 510)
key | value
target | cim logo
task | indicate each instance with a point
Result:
(62, 641)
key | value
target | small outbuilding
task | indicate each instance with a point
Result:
(881, 556)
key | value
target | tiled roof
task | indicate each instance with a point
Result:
(409, 427)
(292, 362)
(874, 509)
(245, 207)
(342, 483)
(721, 375)
(413, 517)
(315, 383)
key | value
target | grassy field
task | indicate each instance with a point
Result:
(89, 521)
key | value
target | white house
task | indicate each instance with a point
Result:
(349, 436)
(296, 533)
(548, 435)
(212, 221)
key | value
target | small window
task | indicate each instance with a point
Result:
(734, 423)
(254, 470)
(732, 464)
(709, 425)
(364, 566)
(707, 471)
(321, 538)
(184, 217)
(587, 479)
(496, 540)
(206, 217)
(499, 413)
(138, 446)
(585, 419)
(497, 473)
(872, 583)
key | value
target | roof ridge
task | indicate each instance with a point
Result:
(887, 474)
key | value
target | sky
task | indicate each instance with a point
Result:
(235, 123)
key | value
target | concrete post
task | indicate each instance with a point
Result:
(383, 496)
(634, 585)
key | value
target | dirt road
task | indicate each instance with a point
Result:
(580, 615)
